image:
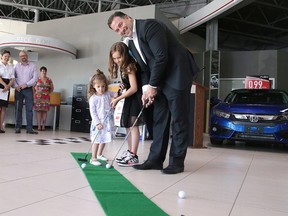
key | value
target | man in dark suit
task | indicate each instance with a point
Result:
(167, 73)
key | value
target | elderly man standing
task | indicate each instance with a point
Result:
(25, 77)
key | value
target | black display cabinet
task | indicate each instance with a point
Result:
(80, 119)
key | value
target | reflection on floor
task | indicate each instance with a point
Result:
(56, 140)
(40, 177)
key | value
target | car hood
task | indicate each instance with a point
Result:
(252, 108)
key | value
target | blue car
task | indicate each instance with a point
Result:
(250, 115)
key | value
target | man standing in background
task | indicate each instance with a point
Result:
(25, 77)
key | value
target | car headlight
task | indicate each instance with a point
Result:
(240, 116)
(222, 114)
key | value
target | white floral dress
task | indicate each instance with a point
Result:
(101, 112)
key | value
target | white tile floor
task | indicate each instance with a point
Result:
(220, 181)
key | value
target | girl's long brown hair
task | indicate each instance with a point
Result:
(129, 62)
(97, 77)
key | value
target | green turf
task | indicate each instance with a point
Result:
(115, 193)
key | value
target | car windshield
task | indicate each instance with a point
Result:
(257, 97)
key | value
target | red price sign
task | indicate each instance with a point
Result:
(255, 83)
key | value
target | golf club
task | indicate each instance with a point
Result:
(85, 158)
(127, 135)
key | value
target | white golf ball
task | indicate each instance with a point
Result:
(108, 166)
(182, 194)
(83, 165)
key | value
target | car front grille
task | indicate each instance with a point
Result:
(243, 136)
(256, 118)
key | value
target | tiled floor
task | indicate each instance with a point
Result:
(219, 181)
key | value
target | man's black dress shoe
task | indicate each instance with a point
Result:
(173, 170)
(32, 132)
(2, 131)
(147, 165)
(17, 130)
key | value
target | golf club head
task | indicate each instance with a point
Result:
(82, 159)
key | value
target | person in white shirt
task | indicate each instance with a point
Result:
(6, 81)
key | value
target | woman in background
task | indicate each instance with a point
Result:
(6, 81)
(42, 89)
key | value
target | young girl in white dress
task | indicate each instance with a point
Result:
(102, 125)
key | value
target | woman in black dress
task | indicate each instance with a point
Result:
(120, 61)
(6, 81)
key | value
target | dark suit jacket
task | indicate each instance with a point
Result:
(167, 60)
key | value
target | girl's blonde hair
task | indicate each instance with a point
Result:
(98, 77)
(129, 62)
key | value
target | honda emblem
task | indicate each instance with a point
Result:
(253, 118)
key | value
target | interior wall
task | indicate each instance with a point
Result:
(282, 62)
(12, 27)
(92, 38)
(240, 64)
(264, 62)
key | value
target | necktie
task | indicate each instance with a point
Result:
(135, 52)
(131, 54)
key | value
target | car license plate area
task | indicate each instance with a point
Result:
(254, 129)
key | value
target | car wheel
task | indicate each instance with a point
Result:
(215, 141)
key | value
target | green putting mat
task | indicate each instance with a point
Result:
(115, 193)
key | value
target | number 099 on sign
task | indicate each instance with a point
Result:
(257, 84)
